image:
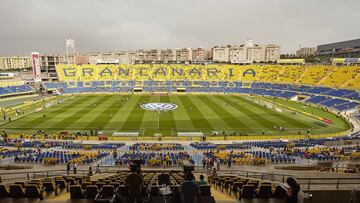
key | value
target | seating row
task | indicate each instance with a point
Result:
(243, 187)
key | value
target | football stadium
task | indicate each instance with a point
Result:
(139, 113)
(246, 128)
(171, 101)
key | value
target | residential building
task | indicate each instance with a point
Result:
(246, 53)
(128, 57)
(199, 55)
(237, 54)
(221, 54)
(184, 55)
(306, 51)
(272, 52)
(14, 62)
(104, 58)
(151, 56)
(168, 55)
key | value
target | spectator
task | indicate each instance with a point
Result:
(168, 160)
(75, 168)
(164, 178)
(115, 154)
(292, 191)
(68, 168)
(201, 181)
(216, 164)
(355, 196)
(204, 162)
(90, 171)
(98, 169)
(135, 184)
(189, 189)
(214, 174)
(229, 161)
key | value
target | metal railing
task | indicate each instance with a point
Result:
(306, 182)
(335, 181)
(28, 175)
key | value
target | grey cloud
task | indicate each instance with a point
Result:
(112, 25)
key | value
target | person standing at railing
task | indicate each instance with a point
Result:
(75, 168)
(204, 162)
(98, 169)
(229, 161)
(135, 184)
(355, 196)
(68, 168)
(189, 189)
(90, 171)
(292, 191)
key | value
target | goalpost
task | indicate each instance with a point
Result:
(266, 104)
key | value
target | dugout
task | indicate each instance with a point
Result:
(138, 89)
(300, 97)
(181, 89)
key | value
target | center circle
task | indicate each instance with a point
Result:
(158, 106)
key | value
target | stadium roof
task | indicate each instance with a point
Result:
(339, 45)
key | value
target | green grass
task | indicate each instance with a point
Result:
(206, 113)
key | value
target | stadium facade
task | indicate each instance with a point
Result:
(344, 49)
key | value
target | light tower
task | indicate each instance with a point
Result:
(70, 51)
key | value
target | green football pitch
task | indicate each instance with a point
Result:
(232, 114)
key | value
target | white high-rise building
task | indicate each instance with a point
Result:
(246, 53)
(221, 54)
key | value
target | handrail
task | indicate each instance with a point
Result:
(40, 171)
(305, 181)
(27, 175)
(279, 177)
(332, 181)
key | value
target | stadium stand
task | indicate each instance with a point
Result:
(252, 188)
(250, 157)
(63, 144)
(111, 188)
(12, 82)
(156, 147)
(10, 153)
(314, 74)
(257, 88)
(290, 74)
(321, 83)
(339, 76)
(60, 157)
(154, 159)
(210, 146)
(16, 90)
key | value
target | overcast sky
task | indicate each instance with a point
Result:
(113, 25)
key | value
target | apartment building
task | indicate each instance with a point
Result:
(14, 62)
(306, 51)
(184, 55)
(199, 55)
(221, 54)
(168, 55)
(246, 53)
